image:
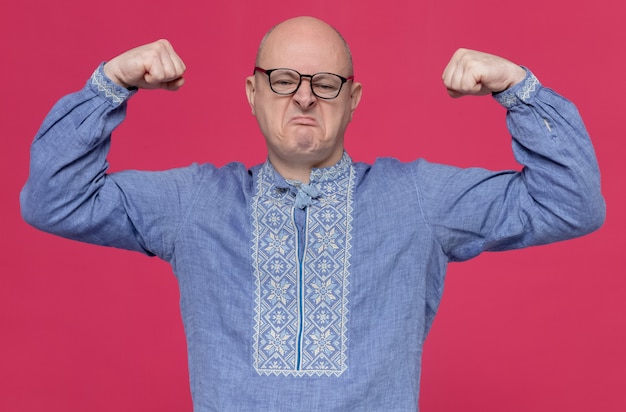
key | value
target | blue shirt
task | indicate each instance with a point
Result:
(312, 297)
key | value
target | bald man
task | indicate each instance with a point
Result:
(310, 282)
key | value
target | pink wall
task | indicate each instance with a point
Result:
(88, 328)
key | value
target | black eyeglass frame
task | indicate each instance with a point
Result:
(268, 72)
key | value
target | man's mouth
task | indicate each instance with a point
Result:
(304, 121)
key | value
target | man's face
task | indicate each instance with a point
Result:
(302, 129)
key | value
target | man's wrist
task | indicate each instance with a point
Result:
(520, 93)
(109, 89)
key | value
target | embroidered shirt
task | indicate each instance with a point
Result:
(312, 297)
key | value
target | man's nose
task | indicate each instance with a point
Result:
(304, 96)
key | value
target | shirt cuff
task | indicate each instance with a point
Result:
(521, 93)
(108, 89)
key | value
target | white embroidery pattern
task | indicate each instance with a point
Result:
(301, 307)
(97, 79)
(526, 91)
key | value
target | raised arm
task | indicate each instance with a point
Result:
(556, 195)
(70, 193)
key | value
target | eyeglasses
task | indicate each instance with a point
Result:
(287, 81)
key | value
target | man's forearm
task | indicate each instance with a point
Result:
(68, 155)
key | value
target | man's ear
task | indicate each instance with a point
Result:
(356, 90)
(250, 91)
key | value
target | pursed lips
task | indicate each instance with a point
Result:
(304, 121)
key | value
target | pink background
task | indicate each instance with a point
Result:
(88, 328)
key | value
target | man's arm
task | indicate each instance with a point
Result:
(70, 193)
(556, 196)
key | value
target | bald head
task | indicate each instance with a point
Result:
(310, 35)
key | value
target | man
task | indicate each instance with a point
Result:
(310, 282)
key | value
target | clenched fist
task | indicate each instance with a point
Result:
(471, 72)
(151, 66)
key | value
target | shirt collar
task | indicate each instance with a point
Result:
(306, 193)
